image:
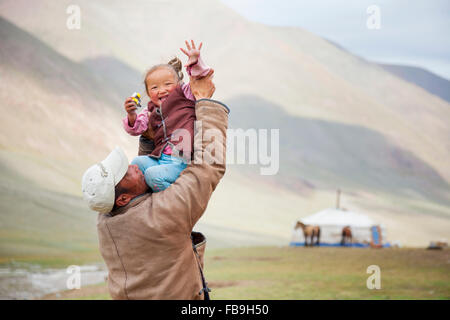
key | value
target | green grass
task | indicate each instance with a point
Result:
(317, 273)
(56, 261)
(328, 273)
(41, 226)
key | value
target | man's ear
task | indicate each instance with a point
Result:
(123, 199)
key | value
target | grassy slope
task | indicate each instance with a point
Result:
(42, 226)
(46, 143)
(427, 80)
(316, 273)
(331, 154)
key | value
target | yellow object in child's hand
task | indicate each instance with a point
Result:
(137, 99)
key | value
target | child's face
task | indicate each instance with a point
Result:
(160, 83)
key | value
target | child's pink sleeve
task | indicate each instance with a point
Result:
(140, 125)
(198, 69)
(195, 70)
(186, 88)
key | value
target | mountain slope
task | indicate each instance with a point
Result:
(335, 155)
(51, 110)
(52, 107)
(423, 78)
(117, 76)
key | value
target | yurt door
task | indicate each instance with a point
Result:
(376, 237)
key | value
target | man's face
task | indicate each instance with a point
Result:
(134, 181)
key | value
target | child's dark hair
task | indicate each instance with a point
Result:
(175, 65)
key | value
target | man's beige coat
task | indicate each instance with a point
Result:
(146, 245)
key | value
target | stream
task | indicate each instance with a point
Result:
(32, 282)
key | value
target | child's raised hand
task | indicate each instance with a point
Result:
(192, 52)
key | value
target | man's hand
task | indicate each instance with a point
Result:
(130, 108)
(203, 88)
(192, 52)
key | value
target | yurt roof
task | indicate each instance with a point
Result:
(336, 217)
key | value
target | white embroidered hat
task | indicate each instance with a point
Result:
(98, 181)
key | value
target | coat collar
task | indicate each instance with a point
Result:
(134, 202)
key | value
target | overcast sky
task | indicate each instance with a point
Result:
(412, 32)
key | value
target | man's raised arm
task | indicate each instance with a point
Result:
(185, 200)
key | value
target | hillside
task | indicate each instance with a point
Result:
(50, 107)
(53, 109)
(422, 78)
(331, 154)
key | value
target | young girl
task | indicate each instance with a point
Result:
(168, 121)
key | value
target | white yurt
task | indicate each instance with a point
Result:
(364, 231)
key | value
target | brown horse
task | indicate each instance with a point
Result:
(310, 232)
(346, 236)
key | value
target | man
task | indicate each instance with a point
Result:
(145, 238)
